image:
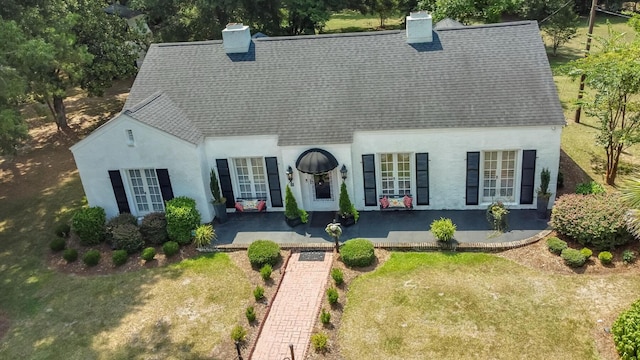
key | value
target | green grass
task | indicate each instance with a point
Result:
(476, 306)
(353, 21)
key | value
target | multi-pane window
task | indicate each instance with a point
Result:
(395, 173)
(498, 177)
(252, 180)
(146, 190)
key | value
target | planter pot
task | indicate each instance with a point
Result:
(542, 204)
(293, 222)
(221, 212)
(346, 220)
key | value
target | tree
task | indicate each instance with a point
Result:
(383, 8)
(469, 11)
(613, 78)
(561, 26)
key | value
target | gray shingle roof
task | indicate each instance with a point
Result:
(319, 89)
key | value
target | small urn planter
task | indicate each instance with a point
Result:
(293, 222)
(541, 207)
(346, 220)
(221, 212)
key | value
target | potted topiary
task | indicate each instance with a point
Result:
(543, 194)
(293, 215)
(347, 215)
(219, 201)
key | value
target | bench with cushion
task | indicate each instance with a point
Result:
(251, 205)
(396, 202)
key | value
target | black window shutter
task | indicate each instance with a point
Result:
(118, 191)
(275, 191)
(165, 184)
(473, 177)
(225, 181)
(422, 178)
(528, 176)
(369, 173)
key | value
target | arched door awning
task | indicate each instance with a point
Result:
(316, 161)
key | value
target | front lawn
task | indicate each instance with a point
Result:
(477, 306)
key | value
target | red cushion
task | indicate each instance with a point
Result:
(239, 207)
(261, 205)
(407, 201)
(384, 202)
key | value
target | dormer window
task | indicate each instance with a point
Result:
(130, 139)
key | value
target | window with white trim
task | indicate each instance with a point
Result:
(395, 173)
(251, 178)
(498, 176)
(146, 190)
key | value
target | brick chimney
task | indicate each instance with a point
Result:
(419, 27)
(236, 38)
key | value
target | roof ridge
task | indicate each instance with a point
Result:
(330, 36)
(145, 102)
(480, 26)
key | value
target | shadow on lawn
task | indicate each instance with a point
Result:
(573, 174)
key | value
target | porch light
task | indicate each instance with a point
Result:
(290, 175)
(343, 171)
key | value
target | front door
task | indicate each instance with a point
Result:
(322, 191)
(322, 187)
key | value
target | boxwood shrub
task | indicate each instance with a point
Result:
(573, 257)
(357, 253)
(70, 255)
(62, 230)
(154, 228)
(596, 221)
(182, 218)
(124, 218)
(119, 257)
(556, 245)
(89, 224)
(126, 237)
(170, 248)
(262, 252)
(91, 257)
(586, 252)
(605, 257)
(57, 244)
(626, 333)
(148, 254)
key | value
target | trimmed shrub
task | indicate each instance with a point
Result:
(154, 228)
(332, 295)
(357, 253)
(556, 245)
(263, 252)
(91, 257)
(443, 229)
(170, 248)
(238, 333)
(591, 187)
(62, 230)
(250, 313)
(121, 219)
(596, 221)
(182, 217)
(605, 257)
(325, 317)
(70, 255)
(119, 257)
(148, 254)
(338, 276)
(57, 244)
(320, 342)
(89, 224)
(265, 272)
(586, 252)
(628, 256)
(258, 293)
(626, 332)
(204, 235)
(573, 257)
(126, 237)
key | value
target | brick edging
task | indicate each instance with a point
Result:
(266, 314)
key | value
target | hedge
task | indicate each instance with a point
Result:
(89, 224)
(262, 252)
(357, 253)
(182, 218)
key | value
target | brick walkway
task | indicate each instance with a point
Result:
(294, 310)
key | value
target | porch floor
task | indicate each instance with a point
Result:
(379, 227)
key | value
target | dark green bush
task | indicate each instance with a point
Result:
(91, 257)
(357, 253)
(338, 276)
(628, 256)
(170, 248)
(586, 252)
(119, 257)
(124, 218)
(573, 257)
(626, 333)
(320, 342)
(182, 218)
(605, 257)
(258, 293)
(325, 317)
(89, 224)
(250, 313)
(126, 237)
(332, 295)
(238, 333)
(556, 245)
(70, 255)
(263, 252)
(148, 254)
(591, 187)
(154, 228)
(596, 221)
(265, 272)
(57, 244)
(62, 230)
